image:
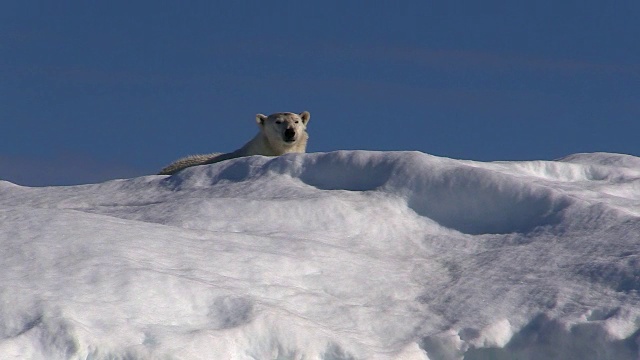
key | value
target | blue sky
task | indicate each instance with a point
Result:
(91, 91)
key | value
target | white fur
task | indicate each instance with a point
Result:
(280, 133)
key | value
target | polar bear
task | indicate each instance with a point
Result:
(280, 133)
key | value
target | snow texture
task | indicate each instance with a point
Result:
(335, 256)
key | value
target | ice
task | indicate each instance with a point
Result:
(341, 255)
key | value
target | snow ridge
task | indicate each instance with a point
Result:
(341, 255)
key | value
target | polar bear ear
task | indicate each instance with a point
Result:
(260, 119)
(305, 116)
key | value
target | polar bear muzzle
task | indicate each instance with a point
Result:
(289, 135)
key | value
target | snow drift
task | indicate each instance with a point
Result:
(343, 255)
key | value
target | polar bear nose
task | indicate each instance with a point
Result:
(289, 134)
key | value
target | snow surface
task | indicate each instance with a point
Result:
(342, 255)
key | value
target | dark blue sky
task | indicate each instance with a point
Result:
(91, 91)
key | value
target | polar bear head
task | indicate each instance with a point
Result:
(285, 129)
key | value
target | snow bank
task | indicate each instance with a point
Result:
(343, 255)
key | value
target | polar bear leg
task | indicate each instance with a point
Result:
(188, 161)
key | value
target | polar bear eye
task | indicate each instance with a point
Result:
(278, 121)
(297, 122)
